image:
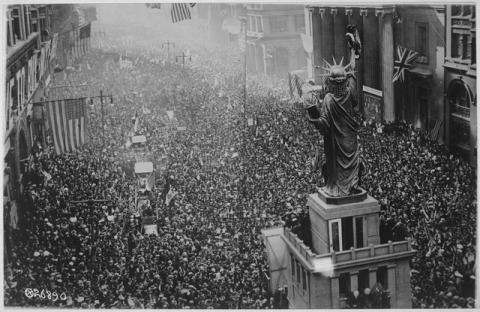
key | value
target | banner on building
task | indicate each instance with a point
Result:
(307, 43)
(67, 121)
(84, 35)
(405, 60)
(53, 49)
(372, 103)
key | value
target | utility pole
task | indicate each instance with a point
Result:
(168, 43)
(244, 21)
(183, 56)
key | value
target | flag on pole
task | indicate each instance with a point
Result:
(84, 35)
(135, 122)
(67, 120)
(145, 110)
(295, 84)
(170, 114)
(53, 51)
(291, 85)
(170, 195)
(181, 11)
(405, 60)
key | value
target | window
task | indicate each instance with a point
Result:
(382, 276)
(465, 47)
(251, 21)
(421, 42)
(474, 51)
(26, 18)
(278, 24)
(300, 23)
(363, 280)
(310, 22)
(344, 284)
(347, 233)
(459, 100)
(359, 232)
(16, 20)
(335, 235)
(292, 263)
(304, 279)
(456, 10)
(299, 274)
(259, 24)
(34, 20)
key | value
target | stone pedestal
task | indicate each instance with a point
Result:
(322, 210)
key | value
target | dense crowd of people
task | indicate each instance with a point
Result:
(237, 168)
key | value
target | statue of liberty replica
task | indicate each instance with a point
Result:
(336, 121)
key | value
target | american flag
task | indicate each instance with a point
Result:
(85, 31)
(67, 122)
(294, 84)
(181, 11)
(405, 60)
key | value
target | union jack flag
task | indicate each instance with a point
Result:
(405, 60)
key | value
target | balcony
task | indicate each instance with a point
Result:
(327, 263)
(21, 47)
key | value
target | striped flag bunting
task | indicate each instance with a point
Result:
(181, 11)
(435, 132)
(67, 119)
(84, 35)
(53, 50)
(291, 86)
(405, 60)
(295, 85)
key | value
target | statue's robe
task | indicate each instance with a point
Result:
(339, 128)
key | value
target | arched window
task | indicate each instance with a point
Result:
(459, 98)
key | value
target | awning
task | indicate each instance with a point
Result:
(143, 167)
(139, 139)
(421, 72)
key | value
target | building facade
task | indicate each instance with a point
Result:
(343, 254)
(383, 29)
(32, 36)
(419, 98)
(460, 81)
(274, 45)
(28, 58)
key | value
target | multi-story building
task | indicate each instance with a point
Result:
(28, 57)
(274, 45)
(460, 80)
(419, 98)
(339, 252)
(383, 29)
(220, 22)
(32, 33)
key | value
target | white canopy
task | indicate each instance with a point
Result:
(143, 167)
(139, 139)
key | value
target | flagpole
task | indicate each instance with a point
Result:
(103, 136)
(245, 70)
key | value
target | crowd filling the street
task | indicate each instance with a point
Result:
(238, 156)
